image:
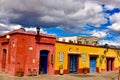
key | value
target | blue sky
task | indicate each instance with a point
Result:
(64, 17)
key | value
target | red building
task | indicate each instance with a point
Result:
(25, 52)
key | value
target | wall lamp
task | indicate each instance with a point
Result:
(106, 47)
(8, 37)
(38, 30)
(37, 37)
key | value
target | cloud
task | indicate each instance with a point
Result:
(64, 13)
(110, 42)
(33, 29)
(99, 34)
(109, 4)
(5, 28)
(115, 19)
(115, 41)
(115, 27)
(69, 15)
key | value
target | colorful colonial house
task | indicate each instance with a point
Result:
(27, 52)
(31, 53)
(79, 58)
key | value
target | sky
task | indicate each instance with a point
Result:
(100, 18)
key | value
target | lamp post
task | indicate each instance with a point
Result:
(38, 30)
(106, 46)
(37, 37)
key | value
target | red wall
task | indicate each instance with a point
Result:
(23, 52)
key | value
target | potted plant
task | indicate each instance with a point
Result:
(61, 69)
(20, 72)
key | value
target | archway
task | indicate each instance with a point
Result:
(43, 62)
(4, 59)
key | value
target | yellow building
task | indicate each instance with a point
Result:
(76, 58)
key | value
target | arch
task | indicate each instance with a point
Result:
(4, 59)
(43, 61)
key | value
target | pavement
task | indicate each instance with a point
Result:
(89, 76)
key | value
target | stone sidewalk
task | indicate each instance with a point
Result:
(89, 76)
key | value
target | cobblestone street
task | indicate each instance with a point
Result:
(89, 76)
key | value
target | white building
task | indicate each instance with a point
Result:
(92, 40)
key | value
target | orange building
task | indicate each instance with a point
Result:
(27, 53)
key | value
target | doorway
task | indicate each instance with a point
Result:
(92, 64)
(73, 63)
(109, 64)
(43, 61)
(4, 59)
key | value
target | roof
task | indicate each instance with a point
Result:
(21, 31)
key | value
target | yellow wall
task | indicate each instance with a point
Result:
(88, 50)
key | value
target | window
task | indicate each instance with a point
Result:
(79, 42)
(70, 41)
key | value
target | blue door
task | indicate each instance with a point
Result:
(92, 64)
(43, 62)
(72, 63)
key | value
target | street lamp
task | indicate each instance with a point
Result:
(106, 47)
(38, 30)
(37, 37)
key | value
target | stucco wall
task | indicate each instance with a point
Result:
(89, 51)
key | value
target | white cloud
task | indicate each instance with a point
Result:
(115, 41)
(109, 42)
(69, 15)
(99, 34)
(33, 29)
(110, 4)
(110, 7)
(5, 28)
(115, 27)
(115, 19)
(75, 13)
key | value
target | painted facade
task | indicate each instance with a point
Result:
(92, 40)
(31, 54)
(76, 58)
(24, 51)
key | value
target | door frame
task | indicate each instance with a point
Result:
(94, 56)
(4, 58)
(110, 63)
(46, 52)
(77, 67)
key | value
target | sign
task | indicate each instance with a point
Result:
(83, 57)
(61, 56)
